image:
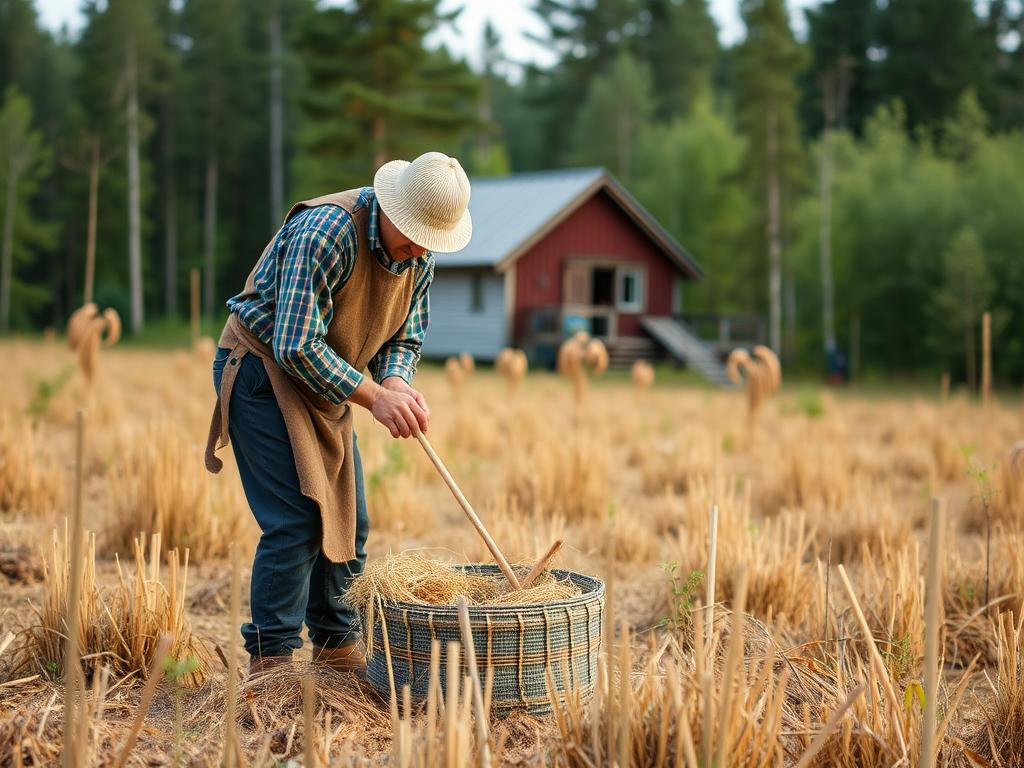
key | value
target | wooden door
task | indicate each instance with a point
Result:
(577, 284)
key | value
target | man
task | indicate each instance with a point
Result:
(340, 288)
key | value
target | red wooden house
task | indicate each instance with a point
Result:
(553, 252)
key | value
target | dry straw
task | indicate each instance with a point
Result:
(512, 365)
(459, 370)
(87, 330)
(580, 357)
(410, 577)
(119, 626)
(642, 374)
(761, 374)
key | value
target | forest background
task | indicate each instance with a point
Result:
(859, 186)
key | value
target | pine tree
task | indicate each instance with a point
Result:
(768, 62)
(23, 163)
(840, 35)
(618, 107)
(587, 36)
(121, 48)
(933, 52)
(682, 49)
(489, 157)
(217, 66)
(375, 93)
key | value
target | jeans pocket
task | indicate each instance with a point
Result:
(218, 366)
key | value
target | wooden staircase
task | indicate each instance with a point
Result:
(685, 346)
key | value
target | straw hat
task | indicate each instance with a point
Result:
(428, 200)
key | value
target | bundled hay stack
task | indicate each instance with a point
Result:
(512, 364)
(580, 357)
(760, 372)
(642, 374)
(87, 329)
(458, 369)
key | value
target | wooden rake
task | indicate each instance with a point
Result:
(474, 518)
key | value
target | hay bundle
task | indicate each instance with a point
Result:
(580, 357)
(760, 373)
(87, 330)
(458, 369)
(410, 577)
(642, 374)
(512, 364)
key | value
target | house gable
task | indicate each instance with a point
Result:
(599, 229)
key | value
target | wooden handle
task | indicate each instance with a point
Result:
(538, 569)
(468, 509)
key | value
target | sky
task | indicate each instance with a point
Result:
(512, 18)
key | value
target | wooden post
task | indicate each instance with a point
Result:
(944, 388)
(932, 622)
(986, 356)
(74, 684)
(709, 609)
(195, 308)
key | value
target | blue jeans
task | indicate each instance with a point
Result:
(292, 579)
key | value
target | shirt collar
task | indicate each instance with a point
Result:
(367, 197)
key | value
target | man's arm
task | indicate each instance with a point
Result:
(317, 258)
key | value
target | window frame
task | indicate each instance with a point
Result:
(639, 302)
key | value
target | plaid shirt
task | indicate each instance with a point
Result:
(290, 309)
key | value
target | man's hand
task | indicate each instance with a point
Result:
(394, 404)
(398, 384)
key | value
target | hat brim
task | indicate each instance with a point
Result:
(436, 239)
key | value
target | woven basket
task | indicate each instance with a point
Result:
(521, 642)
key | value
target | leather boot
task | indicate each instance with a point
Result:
(261, 665)
(344, 658)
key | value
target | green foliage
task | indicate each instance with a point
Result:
(45, 391)
(687, 177)
(767, 65)
(682, 597)
(617, 110)
(810, 404)
(375, 92)
(898, 654)
(934, 52)
(913, 691)
(24, 163)
(980, 475)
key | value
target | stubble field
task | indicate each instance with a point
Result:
(626, 478)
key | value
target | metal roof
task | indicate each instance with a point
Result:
(511, 213)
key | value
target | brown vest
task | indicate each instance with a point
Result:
(368, 310)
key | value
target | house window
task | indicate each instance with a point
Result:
(476, 293)
(630, 294)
